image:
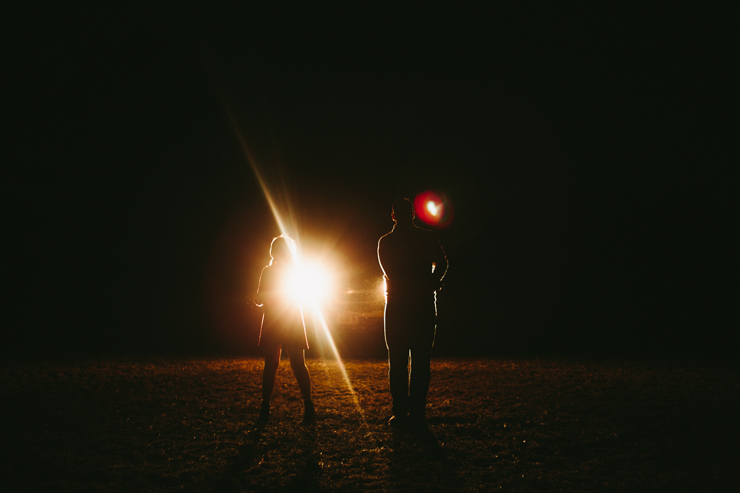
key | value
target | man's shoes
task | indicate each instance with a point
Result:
(398, 421)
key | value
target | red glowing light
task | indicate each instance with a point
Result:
(433, 209)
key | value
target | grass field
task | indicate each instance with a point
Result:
(509, 425)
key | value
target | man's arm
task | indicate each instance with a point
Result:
(440, 263)
(380, 258)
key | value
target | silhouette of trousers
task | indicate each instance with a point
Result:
(409, 335)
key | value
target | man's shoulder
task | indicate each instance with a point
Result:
(425, 234)
(405, 233)
(423, 231)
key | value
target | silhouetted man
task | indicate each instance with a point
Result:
(414, 264)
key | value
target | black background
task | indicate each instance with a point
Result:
(588, 155)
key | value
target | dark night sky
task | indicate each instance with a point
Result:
(587, 154)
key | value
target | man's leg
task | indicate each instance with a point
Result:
(420, 375)
(398, 374)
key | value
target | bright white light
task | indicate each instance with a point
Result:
(382, 289)
(309, 284)
(433, 208)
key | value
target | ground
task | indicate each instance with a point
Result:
(172, 424)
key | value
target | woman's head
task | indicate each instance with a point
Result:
(282, 249)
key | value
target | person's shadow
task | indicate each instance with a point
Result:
(418, 458)
(248, 450)
(307, 464)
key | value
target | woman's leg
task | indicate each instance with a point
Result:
(298, 363)
(272, 361)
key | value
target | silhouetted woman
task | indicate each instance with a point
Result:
(282, 325)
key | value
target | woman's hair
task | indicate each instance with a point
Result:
(282, 248)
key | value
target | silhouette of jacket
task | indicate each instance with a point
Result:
(406, 255)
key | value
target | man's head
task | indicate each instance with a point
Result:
(403, 211)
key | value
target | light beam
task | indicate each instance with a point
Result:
(309, 283)
(318, 316)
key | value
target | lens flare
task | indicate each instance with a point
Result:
(319, 317)
(433, 209)
(310, 284)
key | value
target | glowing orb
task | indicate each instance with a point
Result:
(308, 284)
(433, 209)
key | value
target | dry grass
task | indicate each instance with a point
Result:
(181, 424)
